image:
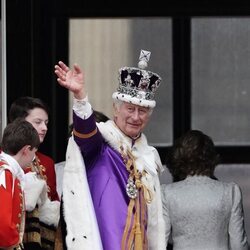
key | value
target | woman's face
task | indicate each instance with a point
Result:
(39, 119)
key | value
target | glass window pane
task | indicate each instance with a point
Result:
(102, 46)
(220, 79)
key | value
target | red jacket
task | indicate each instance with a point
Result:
(12, 215)
(47, 171)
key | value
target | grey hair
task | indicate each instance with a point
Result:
(117, 104)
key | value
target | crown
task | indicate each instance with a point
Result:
(137, 85)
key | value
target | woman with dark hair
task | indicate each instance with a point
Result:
(199, 211)
(192, 154)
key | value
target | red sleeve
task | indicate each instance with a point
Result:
(49, 165)
(9, 234)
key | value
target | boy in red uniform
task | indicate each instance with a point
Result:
(36, 111)
(41, 223)
(19, 144)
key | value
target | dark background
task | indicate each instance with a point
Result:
(37, 38)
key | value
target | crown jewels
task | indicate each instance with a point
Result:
(137, 85)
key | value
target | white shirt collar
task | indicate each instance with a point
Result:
(13, 166)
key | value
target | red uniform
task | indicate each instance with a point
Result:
(12, 212)
(37, 234)
(45, 167)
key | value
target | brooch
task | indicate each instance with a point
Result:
(131, 189)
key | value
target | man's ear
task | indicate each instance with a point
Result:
(116, 110)
(25, 149)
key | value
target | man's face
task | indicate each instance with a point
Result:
(130, 118)
(39, 119)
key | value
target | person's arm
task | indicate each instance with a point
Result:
(165, 212)
(51, 181)
(236, 229)
(35, 191)
(9, 235)
(49, 171)
(34, 187)
(85, 130)
(72, 80)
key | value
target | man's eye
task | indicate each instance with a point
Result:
(143, 111)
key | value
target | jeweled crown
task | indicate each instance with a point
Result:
(137, 85)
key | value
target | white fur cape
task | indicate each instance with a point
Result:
(146, 158)
(82, 228)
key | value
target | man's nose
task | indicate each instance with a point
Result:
(135, 115)
(44, 126)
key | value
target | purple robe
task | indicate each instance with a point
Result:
(107, 177)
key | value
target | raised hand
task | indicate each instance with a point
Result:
(72, 79)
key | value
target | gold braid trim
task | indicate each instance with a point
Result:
(136, 175)
(128, 225)
(144, 222)
(84, 136)
(137, 235)
(32, 221)
(20, 227)
(138, 229)
(39, 169)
